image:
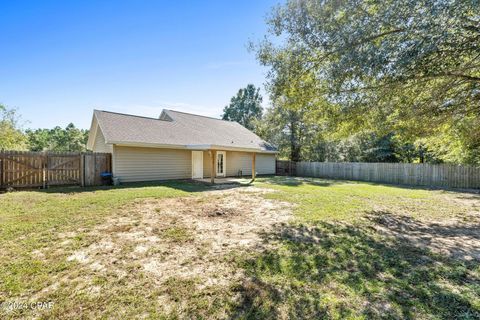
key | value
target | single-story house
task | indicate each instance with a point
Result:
(178, 145)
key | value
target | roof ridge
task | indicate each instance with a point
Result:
(198, 115)
(128, 114)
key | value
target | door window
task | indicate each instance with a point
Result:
(221, 163)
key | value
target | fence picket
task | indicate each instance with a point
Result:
(41, 169)
(420, 174)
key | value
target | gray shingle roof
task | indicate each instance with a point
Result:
(184, 129)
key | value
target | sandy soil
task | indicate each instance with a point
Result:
(185, 237)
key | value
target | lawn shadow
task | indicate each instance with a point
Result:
(468, 194)
(341, 270)
(186, 185)
(298, 181)
(455, 239)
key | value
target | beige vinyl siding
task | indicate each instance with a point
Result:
(150, 164)
(265, 163)
(99, 144)
(239, 161)
(207, 164)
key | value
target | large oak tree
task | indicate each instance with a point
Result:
(409, 67)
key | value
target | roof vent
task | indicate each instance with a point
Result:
(165, 117)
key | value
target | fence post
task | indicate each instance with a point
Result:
(44, 170)
(82, 169)
(1, 173)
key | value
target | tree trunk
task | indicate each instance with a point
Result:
(294, 143)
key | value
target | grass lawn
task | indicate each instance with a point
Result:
(283, 248)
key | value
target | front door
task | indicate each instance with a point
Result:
(221, 163)
(197, 164)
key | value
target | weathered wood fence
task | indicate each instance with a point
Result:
(417, 174)
(19, 169)
(285, 168)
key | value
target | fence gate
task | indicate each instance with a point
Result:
(63, 168)
(20, 169)
(41, 169)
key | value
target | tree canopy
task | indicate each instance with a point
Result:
(11, 135)
(408, 69)
(57, 139)
(245, 107)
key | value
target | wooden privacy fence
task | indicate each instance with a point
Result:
(418, 174)
(42, 169)
(285, 168)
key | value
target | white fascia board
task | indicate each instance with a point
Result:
(229, 148)
(147, 145)
(203, 147)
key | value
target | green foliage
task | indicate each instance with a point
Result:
(303, 134)
(58, 139)
(245, 107)
(409, 69)
(11, 135)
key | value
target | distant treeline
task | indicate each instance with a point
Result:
(13, 137)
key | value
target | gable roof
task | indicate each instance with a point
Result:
(176, 129)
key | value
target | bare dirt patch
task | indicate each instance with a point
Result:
(186, 238)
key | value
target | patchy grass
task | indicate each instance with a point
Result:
(34, 224)
(340, 271)
(178, 234)
(333, 262)
(330, 200)
(335, 250)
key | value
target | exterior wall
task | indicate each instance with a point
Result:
(264, 164)
(207, 164)
(99, 144)
(239, 161)
(149, 164)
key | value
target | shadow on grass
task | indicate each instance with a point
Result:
(341, 271)
(298, 181)
(183, 185)
(466, 194)
(458, 240)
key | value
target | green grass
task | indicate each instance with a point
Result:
(330, 262)
(33, 220)
(329, 200)
(349, 272)
(177, 234)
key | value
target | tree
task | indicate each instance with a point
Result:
(58, 139)
(11, 135)
(282, 127)
(408, 67)
(245, 107)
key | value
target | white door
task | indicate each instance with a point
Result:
(221, 160)
(197, 164)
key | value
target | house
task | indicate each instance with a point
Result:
(178, 145)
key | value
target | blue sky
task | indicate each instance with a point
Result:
(61, 59)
